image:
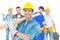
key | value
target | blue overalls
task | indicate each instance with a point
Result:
(40, 19)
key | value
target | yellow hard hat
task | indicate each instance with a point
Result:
(47, 9)
(28, 5)
(10, 8)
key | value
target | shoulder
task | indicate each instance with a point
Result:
(14, 15)
(35, 22)
(36, 25)
(42, 15)
(21, 23)
(22, 16)
(35, 15)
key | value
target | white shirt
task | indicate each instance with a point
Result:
(18, 16)
(48, 19)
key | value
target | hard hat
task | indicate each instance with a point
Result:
(10, 8)
(28, 5)
(47, 9)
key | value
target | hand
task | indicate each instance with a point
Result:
(44, 22)
(3, 15)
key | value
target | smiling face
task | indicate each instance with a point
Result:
(47, 12)
(18, 10)
(28, 13)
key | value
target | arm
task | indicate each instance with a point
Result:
(54, 25)
(3, 26)
(23, 36)
(19, 34)
(34, 31)
(31, 34)
(44, 23)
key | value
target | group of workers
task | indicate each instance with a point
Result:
(30, 26)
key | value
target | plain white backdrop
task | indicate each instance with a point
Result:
(53, 4)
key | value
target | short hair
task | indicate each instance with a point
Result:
(41, 7)
(18, 7)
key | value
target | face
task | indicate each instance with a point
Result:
(27, 13)
(18, 10)
(47, 12)
(40, 10)
(10, 11)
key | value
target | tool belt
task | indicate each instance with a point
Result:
(50, 29)
(41, 29)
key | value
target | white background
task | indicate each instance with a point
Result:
(54, 4)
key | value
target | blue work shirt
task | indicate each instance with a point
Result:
(40, 19)
(31, 28)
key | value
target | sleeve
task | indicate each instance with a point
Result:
(4, 18)
(34, 31)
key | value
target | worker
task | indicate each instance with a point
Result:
(17, 16)
(10, 13)
(50, 25)
(39, 17)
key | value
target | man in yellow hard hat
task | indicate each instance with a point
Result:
(50, 25)
(27, 29)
